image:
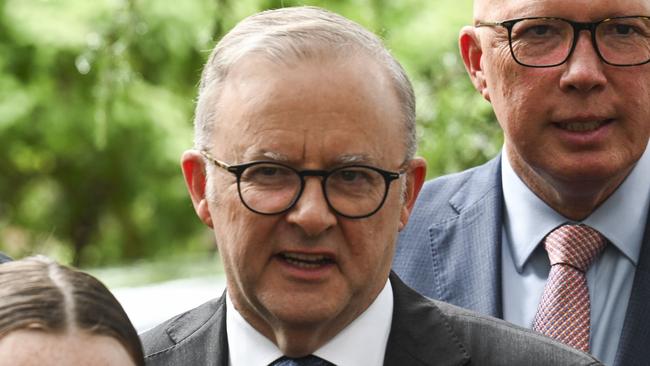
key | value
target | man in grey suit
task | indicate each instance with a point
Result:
(569, 82)
(304, 169)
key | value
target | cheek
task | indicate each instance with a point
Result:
(505, 79)
(237, 232)
(371, 244)
(638, 97)
(519, 100)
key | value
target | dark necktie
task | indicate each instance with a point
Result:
(564, 313)
(310, 360)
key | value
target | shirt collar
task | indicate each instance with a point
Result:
(362, 342)
(628, 204)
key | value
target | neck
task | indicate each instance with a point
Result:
(574, 199)
(297, 336)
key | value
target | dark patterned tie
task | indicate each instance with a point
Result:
(564, 311)
(310, 360)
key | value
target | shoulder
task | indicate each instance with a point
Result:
(187, 335)
(4, 258)
(494, 341)
(448, 194)
(462, 334)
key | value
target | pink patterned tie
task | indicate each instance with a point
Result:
(564, 311)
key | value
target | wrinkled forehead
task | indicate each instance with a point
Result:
(497, 10)
(580, 10)
(493, 9)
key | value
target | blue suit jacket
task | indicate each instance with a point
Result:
(4, 258)
(451, 251)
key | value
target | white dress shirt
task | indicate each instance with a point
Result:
(362, 342)
(621, 219)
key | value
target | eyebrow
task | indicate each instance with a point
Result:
(275, 156)
(357, 159)
(265, 155)
(339, 160)
(354, 159)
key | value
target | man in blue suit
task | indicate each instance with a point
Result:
(569, 82)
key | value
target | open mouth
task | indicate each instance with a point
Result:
(309, 261)
(586, 126)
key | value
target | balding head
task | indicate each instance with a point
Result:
(498, 10)
(294, 35)
(546, 109)
(482, 8)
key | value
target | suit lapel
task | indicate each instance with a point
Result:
(221, 353)
(207, 346)
(420, 335)
(635, 338)
(467, 248)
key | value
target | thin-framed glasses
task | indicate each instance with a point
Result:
(270, 188)
(548, 41)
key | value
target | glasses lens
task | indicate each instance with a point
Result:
(268, 188)
(541, 42)
(355, 191)
(624, 41)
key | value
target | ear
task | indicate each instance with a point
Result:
(415, 176)
(472, 53)
(193, 166)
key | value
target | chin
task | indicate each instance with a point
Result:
(305, 313)
(588, 182)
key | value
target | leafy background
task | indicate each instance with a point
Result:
(96, 104)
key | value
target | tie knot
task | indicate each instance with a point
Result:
(575, 245)
(310, 360)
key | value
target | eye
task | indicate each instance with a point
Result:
(629, 30)
(267, 173)
(349, 175)
(355, 177)
(352, 176)
(623, 29)
(539, 30)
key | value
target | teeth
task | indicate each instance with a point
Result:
(581, 126)
(305, 260)
(302, 264)
(304, 257)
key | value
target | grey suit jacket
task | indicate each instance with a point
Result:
(451, 251)
(423, 333)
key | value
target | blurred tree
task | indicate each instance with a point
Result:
(96, 102)
(96, 108)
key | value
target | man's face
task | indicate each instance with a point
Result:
(306, 269)
(573, 127)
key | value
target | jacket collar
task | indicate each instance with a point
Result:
(466, 247)
(420, 332)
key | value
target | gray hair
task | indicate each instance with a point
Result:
(296, 33)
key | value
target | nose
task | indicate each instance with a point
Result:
(312, 213)
(584, 71)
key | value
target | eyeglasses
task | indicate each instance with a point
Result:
(270, 188)
(548, 42)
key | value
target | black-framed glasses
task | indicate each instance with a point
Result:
(548, 41)
(270, 188)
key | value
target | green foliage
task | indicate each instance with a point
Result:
(96, 103)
